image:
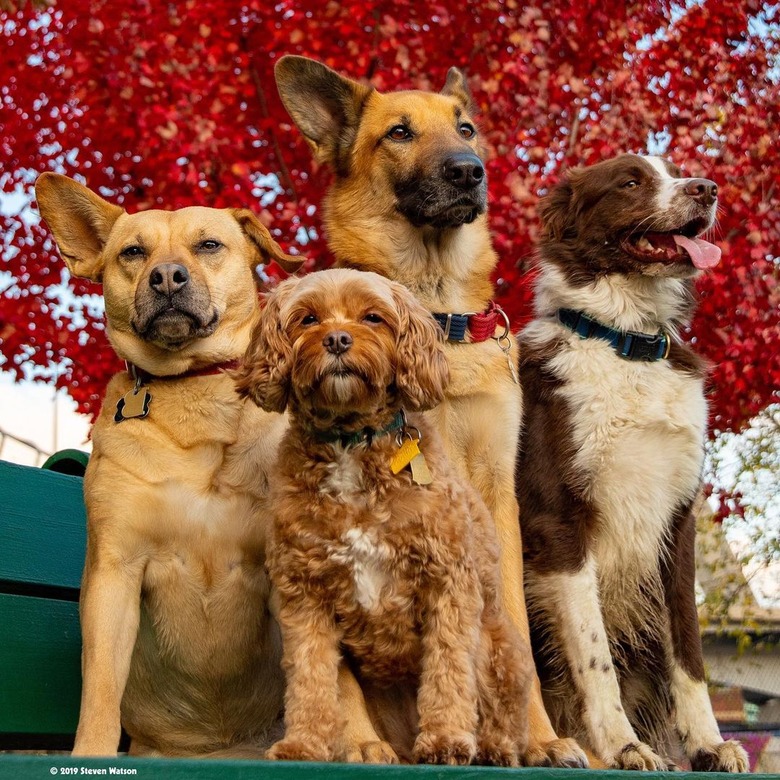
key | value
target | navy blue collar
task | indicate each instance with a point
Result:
(627, 343)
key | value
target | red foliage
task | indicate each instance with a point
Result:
(169, 104)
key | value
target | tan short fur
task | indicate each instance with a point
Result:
(178, 640)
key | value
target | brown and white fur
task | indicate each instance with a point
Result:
(402, 576)
(178, 641)
(408, 201)
(610, 465)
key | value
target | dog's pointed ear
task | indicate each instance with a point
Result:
(266, 371)
(422, 371)
(325, 106)
(260, 237)
(456, 87)
(557, 210)
(79, 220)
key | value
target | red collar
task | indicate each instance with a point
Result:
(137, 373)
(480, 326)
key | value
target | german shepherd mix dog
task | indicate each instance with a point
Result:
(409, 202)
(178, 639)
(611, 460)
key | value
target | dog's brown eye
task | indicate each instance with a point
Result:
(309, 319)
(132, 251)
(630, 185)
(209, 245)
(400, 133)
(374, 319)
(467, 130)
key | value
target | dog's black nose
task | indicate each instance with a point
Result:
(702, 190)
(464, 170)
(337, 342)
(168, 278)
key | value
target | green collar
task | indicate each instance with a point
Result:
(363, 435)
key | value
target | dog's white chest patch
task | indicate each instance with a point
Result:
(345, 477)
(368, 560)
(638, 431)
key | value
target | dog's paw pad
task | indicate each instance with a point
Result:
(637, 756)
(376, 752)
(298, 750)
(727, 756)
(451, 749)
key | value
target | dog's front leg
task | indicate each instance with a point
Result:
(489, 462)
(703, 744)
(361, 743)
(576, 614)
(110, 610)
(447, 696)
(313, 723)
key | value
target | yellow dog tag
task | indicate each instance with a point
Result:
(406, 453)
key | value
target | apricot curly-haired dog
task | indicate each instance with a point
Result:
(397, 570)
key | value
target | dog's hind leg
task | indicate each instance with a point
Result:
(695, 720)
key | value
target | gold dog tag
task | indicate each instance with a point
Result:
(134, 404)
(420, 473)
(406, 453)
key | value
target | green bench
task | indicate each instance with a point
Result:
(42, 542)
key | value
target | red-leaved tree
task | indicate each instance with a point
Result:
(170, 104)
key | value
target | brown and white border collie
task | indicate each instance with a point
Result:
(610, 463)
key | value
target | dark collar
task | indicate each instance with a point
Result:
(350, 439)
(138, 374)
(627, 343)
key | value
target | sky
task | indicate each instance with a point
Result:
(29, 412)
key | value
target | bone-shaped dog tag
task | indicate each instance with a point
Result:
(134, 404)
(420, 473)
(406, 453)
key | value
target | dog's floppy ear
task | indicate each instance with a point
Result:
(265, 372)
(79, 220)
(456, 87)
(422, 372)
(557, 212)
(258, 234)
(325, 106)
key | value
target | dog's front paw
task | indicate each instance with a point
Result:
(565, 753)
(638, 756)
(375, 752)
(298, 750)
(495, 752)
(728, 756)
(452, 749)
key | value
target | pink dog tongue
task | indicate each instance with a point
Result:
(703, 254)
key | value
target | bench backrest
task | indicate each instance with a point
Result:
(42, 545)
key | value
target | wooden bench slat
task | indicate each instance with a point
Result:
(40, 659)
(42, 527)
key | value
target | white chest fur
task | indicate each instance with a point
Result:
(368, 559)
(638, 433)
